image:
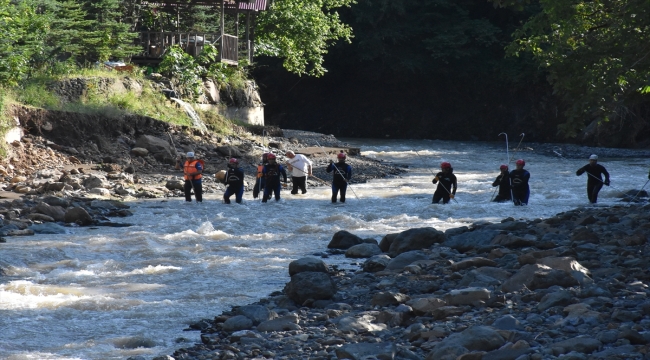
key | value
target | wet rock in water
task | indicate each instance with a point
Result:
(307, 264)
(405, 259)
(344, 240)
(256, 313)
(48, 228)
(55, 212)
(77, 215)
(236, 323)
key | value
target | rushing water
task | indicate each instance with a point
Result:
(110, 293)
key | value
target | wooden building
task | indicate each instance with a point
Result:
(232, 47)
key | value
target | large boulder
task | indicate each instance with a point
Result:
(344, 240)
(376, 263)
(159, 148)
(257, 313)
(96, 181)
(475, 338)
(536, 276)
(77, 215)
(307, 264)
(230, 151)
(55, 212)
(310, 285)
(470, 240)
(386, 241)
(415, 239)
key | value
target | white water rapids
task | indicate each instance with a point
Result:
(110, 293)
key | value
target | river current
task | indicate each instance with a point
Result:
(111, 293)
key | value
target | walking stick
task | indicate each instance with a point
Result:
(637, 194)
(340, 173)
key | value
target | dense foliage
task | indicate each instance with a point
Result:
(597, 55)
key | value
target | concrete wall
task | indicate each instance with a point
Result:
(248, 115)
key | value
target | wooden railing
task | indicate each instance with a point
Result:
(155, 44)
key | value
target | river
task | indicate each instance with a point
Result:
(111, 293)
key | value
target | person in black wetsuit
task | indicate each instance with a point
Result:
(503, 182)
(272, 172)
(519, 179)
(235, 180)
(594, 179)
(342, 174)
(447, 184)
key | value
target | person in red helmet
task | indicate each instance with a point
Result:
(447, 184)
(519, 180)
(234, 180)
(503, 182)
(272, 172)
(342, 174)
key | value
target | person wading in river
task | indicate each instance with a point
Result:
(235, 180)
(447, 184)
(594, 179)
(503, 182)
(272, 172)
(259, 182)
(519, 180)
(193, 170)
(300, 167)
(342, 174)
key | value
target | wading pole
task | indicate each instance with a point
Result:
(637, 194)
(512, 196)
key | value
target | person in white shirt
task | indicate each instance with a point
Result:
(300, 167)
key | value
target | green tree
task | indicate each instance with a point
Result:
(108, 36)
(597, 53)
(300, 32)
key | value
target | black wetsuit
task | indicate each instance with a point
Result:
(594, 180)
(342, 173)
(520, 189)
(448, 182)
(503, 182)
(235, 181)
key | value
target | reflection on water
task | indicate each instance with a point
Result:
(119, 292)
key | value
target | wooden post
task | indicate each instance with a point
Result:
(248, 42)
(223, 5)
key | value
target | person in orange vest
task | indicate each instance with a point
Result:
(193, 170)
(260, 182)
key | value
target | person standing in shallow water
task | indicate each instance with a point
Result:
(594, 179)
(342, 174)
(193, 170)
(447, 184)
(519, 179)
(260, 182)
(235, 180)
(503, 182)
(300, 168)
(272, 172)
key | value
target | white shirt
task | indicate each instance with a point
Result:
(300, 165)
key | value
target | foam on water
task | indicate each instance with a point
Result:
(111, 293)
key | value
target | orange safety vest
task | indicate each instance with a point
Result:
(190, 167)
(259, 171)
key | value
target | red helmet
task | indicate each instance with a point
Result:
(270, 156)
(521, 162)
(340, 156)
(445, 165)
(233, 161)
(503, 167)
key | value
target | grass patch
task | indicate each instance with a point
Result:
(215, 122)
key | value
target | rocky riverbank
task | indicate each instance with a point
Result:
(74, 169)
(574, 286)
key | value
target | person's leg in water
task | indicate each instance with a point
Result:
(239, 194)
(344, 189)
(277, 189)
(187, 188)
(436, 198)
(226, 195)
(294, 183)
(198, 191)
(335, 192)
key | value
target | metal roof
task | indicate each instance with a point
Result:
(254, 5)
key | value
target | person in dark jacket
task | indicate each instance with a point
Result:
(342, 174)
(519, 179)
(272, 172)
(594, 179)
(235, 180)
(447, 184)
(503, 182)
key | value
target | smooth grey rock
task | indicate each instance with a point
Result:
(386, 241)
(470, 240)
(257, 313)
(376, 263)
(77, 215)
(507, 322)
(55, 212)
(344, 240)
(404, 259)
(365, 250)
(415, 239)
(582, 344)
(310, 285)
(472, 262)
(284, 323)
(558, 298)
(307, 264)
(238, 322)
(48, 228)
(360, 351)
(467, 296)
